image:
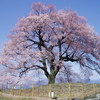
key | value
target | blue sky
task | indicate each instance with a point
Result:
(12, 10)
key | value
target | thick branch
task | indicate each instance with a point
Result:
(66, 58)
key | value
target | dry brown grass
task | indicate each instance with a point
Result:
(61, 90)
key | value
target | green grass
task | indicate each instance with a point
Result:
(2, 98)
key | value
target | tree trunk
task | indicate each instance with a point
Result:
(53, 72)
(51, 79)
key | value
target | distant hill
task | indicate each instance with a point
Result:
(95, 81)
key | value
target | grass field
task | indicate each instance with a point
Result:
(78, 90)
(3, 98)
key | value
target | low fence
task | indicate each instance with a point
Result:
(71, 90)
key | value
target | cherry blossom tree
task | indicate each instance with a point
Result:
(67, 74)
(46, 38)
(9, 77)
